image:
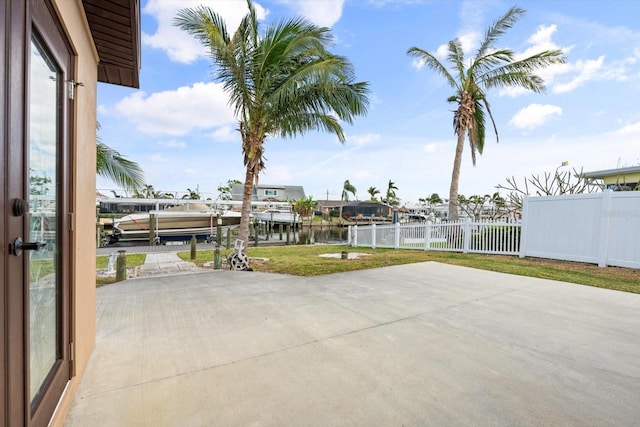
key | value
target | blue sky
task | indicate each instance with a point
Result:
(179, 127)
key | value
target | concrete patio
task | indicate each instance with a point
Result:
(414, 345)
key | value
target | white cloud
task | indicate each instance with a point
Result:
(430, 148)
(540, 41)
(180, 46)
(176, 112)
(226, 134)
(534, 115)
(587, 70)
(417, 64)
(172, 144)
(321, 12)
(468, 41)
(632, 129)
(159, 158)
(363, 139)
(276, 174)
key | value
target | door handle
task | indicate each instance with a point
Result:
(18, 246)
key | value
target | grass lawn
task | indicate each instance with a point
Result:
(304, 261)
(133, 260)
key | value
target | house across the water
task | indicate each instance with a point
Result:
(269, 193)
(620, 179)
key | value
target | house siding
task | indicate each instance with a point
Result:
(83, 268)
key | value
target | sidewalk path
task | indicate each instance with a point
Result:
(165, 263)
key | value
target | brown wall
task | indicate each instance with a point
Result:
(83, 273)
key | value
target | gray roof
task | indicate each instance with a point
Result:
(292, 192)
(611, 172)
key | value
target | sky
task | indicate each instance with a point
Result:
(181, 130)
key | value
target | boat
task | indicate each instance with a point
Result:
(277, 216)
(175, 223)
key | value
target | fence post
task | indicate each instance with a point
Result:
(603, 236)
(373, 236)
(348, 235)
(396, 244)
(523, 227)
(355, 235)
(427, 236)
(466, 236)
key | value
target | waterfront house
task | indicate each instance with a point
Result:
(269, 193)
(619, 179)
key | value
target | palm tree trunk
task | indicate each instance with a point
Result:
(455, 177)
(246, 208)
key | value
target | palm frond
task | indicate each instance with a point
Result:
(521, 73)
(433, 63)
(498, 28)
(112, 165)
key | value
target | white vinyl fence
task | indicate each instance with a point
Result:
(599, 228)
(462, 236)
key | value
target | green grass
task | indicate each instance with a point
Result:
(133, 260)
(304, 261)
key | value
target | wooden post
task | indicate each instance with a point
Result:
(217, 261)
(219, 230)
(228, 237)
(153, 224)
(121, 266)
(280, 232)
(194, 244)
(288, 234)
(256, 235)
(98, 234)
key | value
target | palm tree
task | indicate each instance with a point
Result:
(490, 68)
(344, 196)
(282, 82)
(434, 199)
(391, 198)
(112, 165)
(373, 191)
(192, 194)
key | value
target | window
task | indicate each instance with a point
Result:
(270, 192)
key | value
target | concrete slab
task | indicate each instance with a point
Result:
(166, 263)
(420, 344)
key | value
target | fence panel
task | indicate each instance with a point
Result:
(462, 236)
(495, 238)
(624, 229)
(599, 228)
(562, 227)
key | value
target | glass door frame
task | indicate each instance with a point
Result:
(22, 19)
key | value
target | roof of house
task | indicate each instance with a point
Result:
(612, 172)
(115, 28)
(293, 192)
(329, 203)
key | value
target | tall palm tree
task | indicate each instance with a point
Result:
(373, 191)
(282, 82)
(489, 68)
(391, 197)
(347, 188)
(112, 165)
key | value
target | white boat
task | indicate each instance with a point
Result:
(177, 223)
(277, 216)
